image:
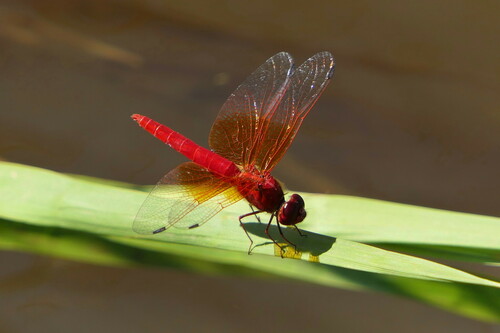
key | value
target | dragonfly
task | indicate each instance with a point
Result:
(252, 132)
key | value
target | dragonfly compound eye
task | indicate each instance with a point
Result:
(292, 211)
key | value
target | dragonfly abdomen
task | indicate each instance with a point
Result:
(196, 153)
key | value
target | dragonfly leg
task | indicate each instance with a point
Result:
(298, 230)
(282, 235)
(258, 217)
(254, 212)
(271, 238)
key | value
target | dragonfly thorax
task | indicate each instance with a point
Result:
(262, 191)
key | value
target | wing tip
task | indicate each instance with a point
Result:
(285, 58)
(143, 231)
(329, 60)
(157, 231)
(329, 75)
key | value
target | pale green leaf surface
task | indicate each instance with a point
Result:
(476, 301)
(62, 201)
(47, 199)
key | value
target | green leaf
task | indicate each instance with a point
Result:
(83, 219)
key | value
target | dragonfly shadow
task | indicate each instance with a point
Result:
(315, 244)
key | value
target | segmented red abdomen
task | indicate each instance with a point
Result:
(196, 153)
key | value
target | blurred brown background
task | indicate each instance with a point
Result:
(412, 116)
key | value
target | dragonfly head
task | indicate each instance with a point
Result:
(292, 211)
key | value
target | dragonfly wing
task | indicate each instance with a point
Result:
(238, 126)
(280, 126)
(186, 197)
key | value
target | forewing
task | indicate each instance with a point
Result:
(238, 126)
(186, 197)
(281, 125)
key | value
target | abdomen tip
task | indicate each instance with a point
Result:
(136, 117)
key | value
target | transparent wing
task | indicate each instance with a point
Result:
(186, 197)
(281, 125)
(238, 127)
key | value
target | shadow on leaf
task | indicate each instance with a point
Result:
(315, 244)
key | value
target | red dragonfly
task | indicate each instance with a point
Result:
(251, 134)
